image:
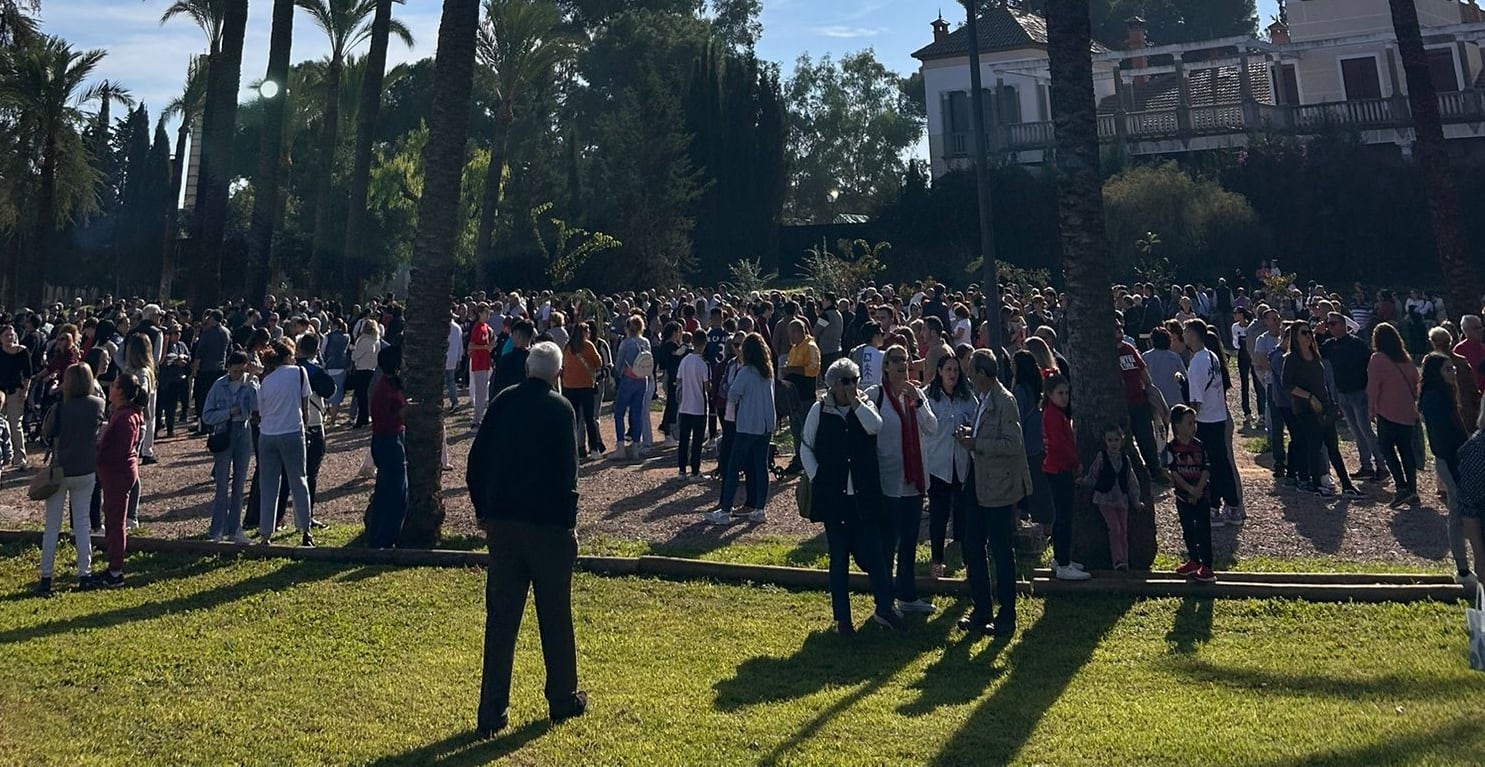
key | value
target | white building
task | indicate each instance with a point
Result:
(1328, 64)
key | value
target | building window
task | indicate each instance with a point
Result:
(1286, 85)
(1010, 105)
(1361, 79)
(1441, 67)
(959, 115)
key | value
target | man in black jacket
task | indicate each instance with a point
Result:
(522, 480)
(510, 368)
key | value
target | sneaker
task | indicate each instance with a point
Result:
(1382, 477)
(315, 524)
(1217, 519)
(1411, 496)
(88, 582)
(43, 587)
(1352, 492)
(758, 516)
(148, 460)
(571, 708)
(974, 622)
(1121, 566)
(1325, 492)
(682, 475)
(595, 454)
(1204, 575)
(936, 570)
(1069, 573)
(1467, 579)
(1077, 566)
(306, 541)
(718, 517)
(1190, 568)
(265, 540)
(920, 606)
(1398, 498)
(112, 580)
(240, 539)
(1279, 473)
(217, 538)
(890, 619)
(1305, 487)
(133, 524)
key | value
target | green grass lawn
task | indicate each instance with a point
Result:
(218, 661)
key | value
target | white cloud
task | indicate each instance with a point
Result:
(844, 32)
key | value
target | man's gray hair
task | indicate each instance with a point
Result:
(545, 361)
(1470, 320)
(841, 368)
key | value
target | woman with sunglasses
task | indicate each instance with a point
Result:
(907, 421)
(838, 451)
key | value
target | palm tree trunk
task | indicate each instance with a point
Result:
(172, 209)
(370, 105)
(33, 277)
(223, 78)
(1433, 156)
(270, 151)
(432, 281)
(320, 242)
(1088, 269)
(494, 192)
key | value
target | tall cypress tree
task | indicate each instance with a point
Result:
(130, 260)
(157, 204)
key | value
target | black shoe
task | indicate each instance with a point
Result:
(487, 731)
(89, 582)
(1001, 627)
(1363, 474)
(111, 580)
(845, 628)
(891, 619)
(306, 541)
(316, 524)
(974, 622)
(148, 460)
(43, 587)
(573, 707)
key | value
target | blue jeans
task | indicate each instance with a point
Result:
(230, 469)
(389, 498)
(1358, 419)
(451, 387)
(630, 399)
(282, 455)
(860, 538)
(901, 520)
(750, 454)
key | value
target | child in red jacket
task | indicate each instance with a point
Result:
(1060, 465)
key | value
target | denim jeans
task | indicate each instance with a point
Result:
(630, 400)
(858, 537)
(389, 498)
(750, 454)
(1358, 419)
(230, 470)
(282, 455)
(1276, 419)
(451, 388)
(76, 492)
(1456, 520)
(901, 520)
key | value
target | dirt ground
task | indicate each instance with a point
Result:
(646, 501)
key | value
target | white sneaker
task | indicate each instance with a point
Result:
(595, 454)
(133, 524)
(758, 515)
(1077, 566)
(717, 517)
(1469, 581)
(241, 539)
(218, 538)
(1070, 573)
(919, 605)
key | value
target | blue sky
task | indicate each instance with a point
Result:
(151, 60)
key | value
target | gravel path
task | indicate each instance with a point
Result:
(646, 501)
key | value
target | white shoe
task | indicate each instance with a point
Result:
(241, 539)
(132, 524)
(1070, 573)
(218, 538)
(758, 515)
(717, 517)
(595, 454)
(920, 605)
(1077, 566)
(1469, 581)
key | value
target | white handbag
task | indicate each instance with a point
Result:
(1475, 621)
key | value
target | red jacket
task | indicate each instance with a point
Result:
(1057, 436)
(118, 454)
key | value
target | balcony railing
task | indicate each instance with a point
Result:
(1232, 119)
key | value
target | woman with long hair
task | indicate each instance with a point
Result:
(1304, 380)
(954, 404)
(1446, 434)
(73, 428)
(283, 402)
(363, 364)
(1392, 397)
(581, 365)
(389, 498)
(139, 362)
(118, 465)
(907, 421)
(229, 405)
(1026, 385)
(751, 395)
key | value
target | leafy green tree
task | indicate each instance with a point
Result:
(736, 23)
(1209, 230)
(849, 126)
(187, 109)
(16, 20)
(570, 248)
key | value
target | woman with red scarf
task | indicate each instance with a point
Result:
(906, 419)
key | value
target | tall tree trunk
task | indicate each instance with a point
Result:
(432, 281)
(270, 152)
(370, 104)
(223, 79)
(329, 135)
(494, 192)
(1091, 347)
(1433, 155)
(172, 210)
(33, 277)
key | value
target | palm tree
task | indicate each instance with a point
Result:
(1086, 263)
(360, 183)
(520, 43)
(270, 149)
(1433, 156)
(16, 23)
(44, 81)
(187, 108)
(432, 281)
(346, 24)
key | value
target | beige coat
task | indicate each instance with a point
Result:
(1002, 477)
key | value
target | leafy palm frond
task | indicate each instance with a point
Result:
(347, 23)
(189, 104)
(521, 41)
(209, 15)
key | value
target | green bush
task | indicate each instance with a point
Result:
(1201, 228)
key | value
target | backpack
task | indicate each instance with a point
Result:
(320, 382)
(644, 364)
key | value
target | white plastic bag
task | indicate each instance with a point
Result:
(1475, 621)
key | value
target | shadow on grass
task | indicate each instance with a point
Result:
(467, 748)
(1192, 627)
(1451, 741)
(1386, 687)
(1041, 664)
(141, 573)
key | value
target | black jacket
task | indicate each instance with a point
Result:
(523, 465)
(510, 370)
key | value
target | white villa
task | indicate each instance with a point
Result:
(1325, 65)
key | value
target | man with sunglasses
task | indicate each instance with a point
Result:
(1348, 357)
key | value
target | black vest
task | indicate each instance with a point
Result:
(844, 449)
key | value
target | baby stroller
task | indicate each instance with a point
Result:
(39, 399)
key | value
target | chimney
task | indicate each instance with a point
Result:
(1136, 40)
(1278, 33)
(940, 29)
